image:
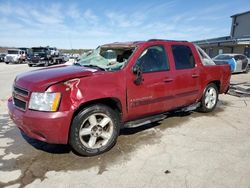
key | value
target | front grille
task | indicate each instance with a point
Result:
(20, 91)
(9, 58)
(19, 104)
(20, 97)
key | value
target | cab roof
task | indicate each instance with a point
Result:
(133, 44)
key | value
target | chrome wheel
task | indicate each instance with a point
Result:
(210, 98)
(96, 131)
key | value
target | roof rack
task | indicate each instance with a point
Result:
(150, 40)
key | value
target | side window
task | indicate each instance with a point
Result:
(153, 59)
(183, 57)
(237, 57)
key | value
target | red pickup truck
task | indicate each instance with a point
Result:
(117, 85)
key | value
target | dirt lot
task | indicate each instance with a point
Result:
(184, 150)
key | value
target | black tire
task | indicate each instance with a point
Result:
(213, 98)
(81, 144)
(30, 65)
(7, 63)
(247, 69)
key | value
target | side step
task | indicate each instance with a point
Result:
(191, 107)
(150, 119)
(143, 121)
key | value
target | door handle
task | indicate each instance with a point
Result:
(168, 80)
(195, 75)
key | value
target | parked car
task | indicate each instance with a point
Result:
(2, 56)
(86, 105)
(237, 62)
(15, 56)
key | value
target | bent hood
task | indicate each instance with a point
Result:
(40, 80)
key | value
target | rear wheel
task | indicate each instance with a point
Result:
(247, 69)
(209, 99)
(94, 130)
(7, 63)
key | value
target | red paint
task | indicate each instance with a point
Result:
(159, 91)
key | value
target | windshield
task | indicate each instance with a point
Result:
(223, 57)
(110, 59)
(12, 52)
(38, 50)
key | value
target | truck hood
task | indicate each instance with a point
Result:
(40, 80)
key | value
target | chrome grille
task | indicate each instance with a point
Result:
(20, 97)
(19, 104)
(20, 91)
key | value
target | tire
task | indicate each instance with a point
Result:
(99, 126)
(209, 99)
(247, 69)
(30, 65)
(7, 63)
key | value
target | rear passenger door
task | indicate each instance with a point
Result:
(186, 76)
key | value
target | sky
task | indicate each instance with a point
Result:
(89, 23)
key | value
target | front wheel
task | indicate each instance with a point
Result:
(94, 130)
(209, 99)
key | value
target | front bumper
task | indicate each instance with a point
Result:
(37, 62)
(11, 60)
(50, 127)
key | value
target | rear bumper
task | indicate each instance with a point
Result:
(50, 127)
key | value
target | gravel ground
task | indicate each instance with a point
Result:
(184, 150)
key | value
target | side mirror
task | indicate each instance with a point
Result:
(138, 72)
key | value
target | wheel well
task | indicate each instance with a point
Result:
(217, 83)
(113, 103)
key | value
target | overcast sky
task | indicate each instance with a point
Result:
(89, 23)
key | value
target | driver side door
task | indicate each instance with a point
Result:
(154, 93)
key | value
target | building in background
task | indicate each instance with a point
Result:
(237, 42)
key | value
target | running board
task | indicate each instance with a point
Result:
(191, 107)
(151, 119)
(143, 121)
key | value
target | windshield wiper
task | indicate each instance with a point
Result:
(95, 66)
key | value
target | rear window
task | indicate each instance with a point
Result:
(183, 57)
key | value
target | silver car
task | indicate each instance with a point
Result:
(237, 62)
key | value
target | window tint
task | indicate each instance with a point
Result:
(183, 57)
(153, 59)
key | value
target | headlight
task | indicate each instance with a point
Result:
(44, 101)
